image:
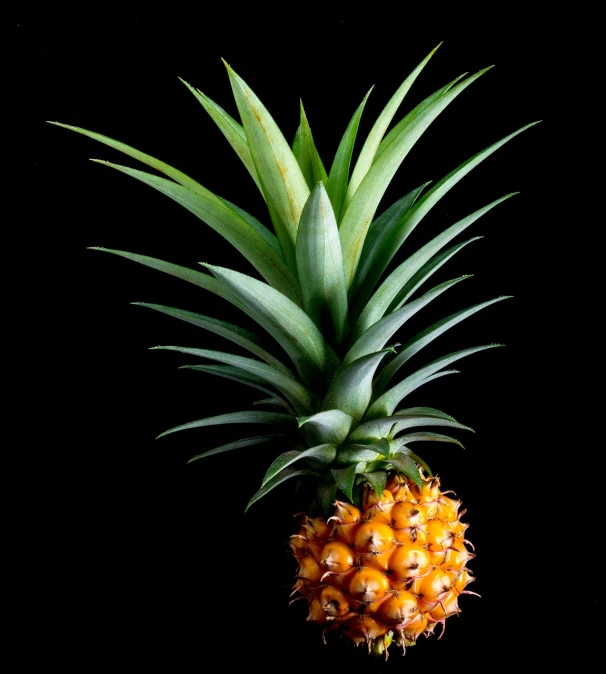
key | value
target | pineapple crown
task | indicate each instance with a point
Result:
(325, 297)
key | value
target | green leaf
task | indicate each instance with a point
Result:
(282, 182)
(422, 207)
(307, 155)
(385, 404)
(338, 178)
(276, 402)
(429, 268)
(330, 426)
(286, 474)
(147, 159)
(399, 127)
(216, 213)
(247, 417)
(242, 377)
(377, 481)
(424, 338)
(421, 462)
(247, 340)
(374, 430)
(421, 436)
(327, 494)
(355, 453)
(351, 389)
(345, 478)
(302, 400)
(381, 332)
(393, 291)
(372, 143)
(379, 234)
(404, 464)
(232, 130)
(198, 278)
(259, 227)
(361, 209)
(239, 444)
(320, 263)
(285, 321)
(324, 453)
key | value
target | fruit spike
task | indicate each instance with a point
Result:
(381, 551)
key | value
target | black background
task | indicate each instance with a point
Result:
(139, 558)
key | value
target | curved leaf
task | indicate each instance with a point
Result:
(300, 398)
(238, 444)
(406, 465)
(217, 213)
(307, 155)
(282, 182)
(385, 404)
(424, 338)
(345, 478)
(198, 278)
(246, 417)
(242, 377)
(147, 159)
(393, 290)
(355, 453)
(330, 426)
(320, 263)
(286, 474)
(285, 321)
(338, 178)
(379, 334)
(425, 103)
(259, 227)
(426, 436)
(374, 430)
(327, 493)
(372, 143)
(422, 207)
(351, 389)
(377, 480)
(429, 268)
(324, 453)
(247, 340)
(380, 232)
(364, 202)
(232, 130)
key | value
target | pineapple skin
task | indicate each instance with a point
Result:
(388, 572)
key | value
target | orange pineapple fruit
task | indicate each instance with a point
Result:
(377, 587)
(381, 553)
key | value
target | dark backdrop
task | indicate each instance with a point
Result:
(150, 560)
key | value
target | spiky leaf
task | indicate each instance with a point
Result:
(282, 182)
(361, 209)
(338, 178)
(351, 389)
(393, 290)
(286, 474)
(217, 213)
(320, 263)
(372, 143)
(285, 321)
(331, 426)
(247, 340)
(323, 453)
(386, 403)
(246, 417)
(405, 464)
(300, 398)
(239, 444)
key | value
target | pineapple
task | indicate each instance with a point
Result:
(381, 553)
